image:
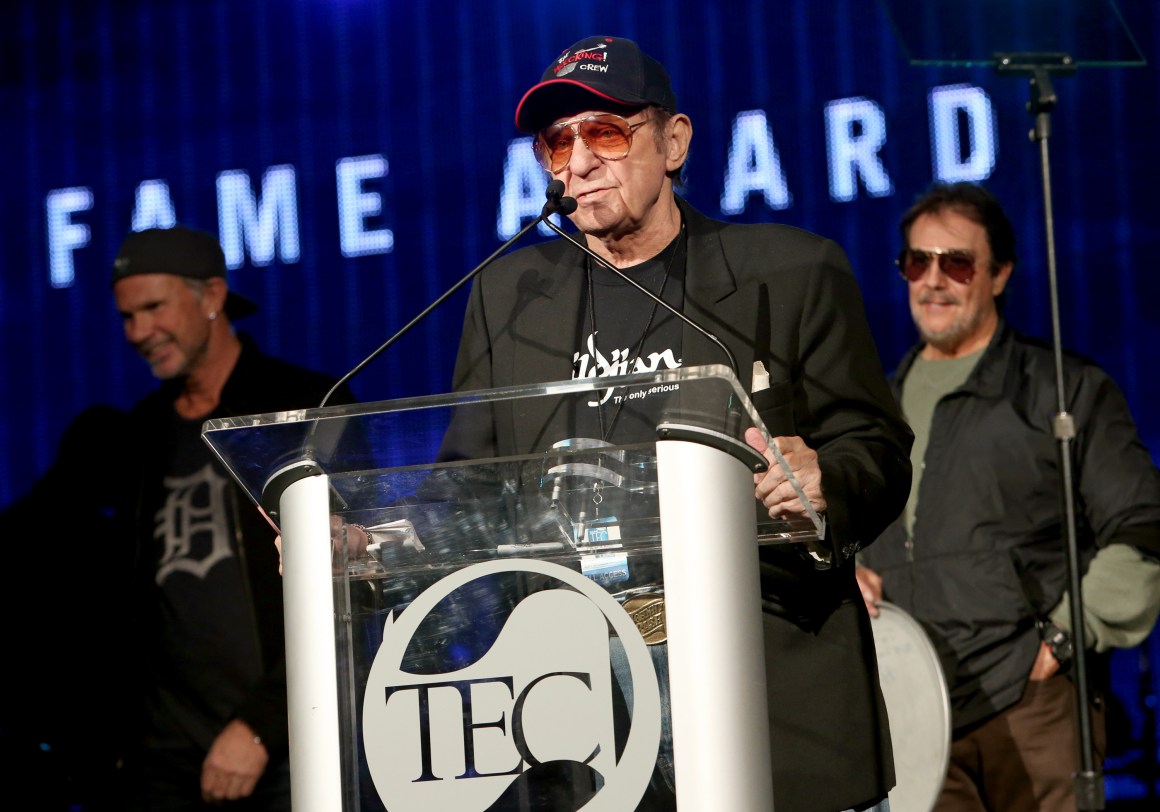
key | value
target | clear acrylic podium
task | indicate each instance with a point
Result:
(562, 627)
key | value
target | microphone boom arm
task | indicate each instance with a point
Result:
(554, 205)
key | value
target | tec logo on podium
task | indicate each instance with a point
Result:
(538, 703)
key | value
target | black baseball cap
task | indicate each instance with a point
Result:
(180, 251)
(610, 69)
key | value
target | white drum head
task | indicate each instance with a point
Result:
(918, 705)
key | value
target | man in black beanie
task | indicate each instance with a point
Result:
(204, 605)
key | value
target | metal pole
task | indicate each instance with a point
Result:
(311, 675)
(714, 620)
(1089, 788)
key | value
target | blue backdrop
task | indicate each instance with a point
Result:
(358, 156)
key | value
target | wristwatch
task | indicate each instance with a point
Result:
(1059, 641)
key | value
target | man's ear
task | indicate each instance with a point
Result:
(677, 139)
(1000, 278)
(213, 299)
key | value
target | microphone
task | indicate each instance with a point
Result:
(555, 194)
(570, 202)
(557, 204)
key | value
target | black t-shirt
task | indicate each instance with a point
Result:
(206, 655)
(625, 331)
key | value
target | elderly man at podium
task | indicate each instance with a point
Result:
(605, 122)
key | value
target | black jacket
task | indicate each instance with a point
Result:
(988, 557)
(259, 383)
(787, 298)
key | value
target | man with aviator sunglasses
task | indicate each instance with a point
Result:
(978, 556)
(605, 122)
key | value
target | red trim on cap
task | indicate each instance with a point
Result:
(580, 85)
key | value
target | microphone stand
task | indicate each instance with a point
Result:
(556, 205)
(605, 263)
(307, 465)
(1089, 787)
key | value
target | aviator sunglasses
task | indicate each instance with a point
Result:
(608, 136)
(956, 263)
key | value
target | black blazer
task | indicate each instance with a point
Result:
(787, 298)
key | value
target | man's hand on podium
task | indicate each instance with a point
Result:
(348, 541)
(773, 489)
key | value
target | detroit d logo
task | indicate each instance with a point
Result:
(533, 713)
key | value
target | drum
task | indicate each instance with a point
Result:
(918, 705)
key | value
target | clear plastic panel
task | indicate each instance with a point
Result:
(547, 560)
(391, 458)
